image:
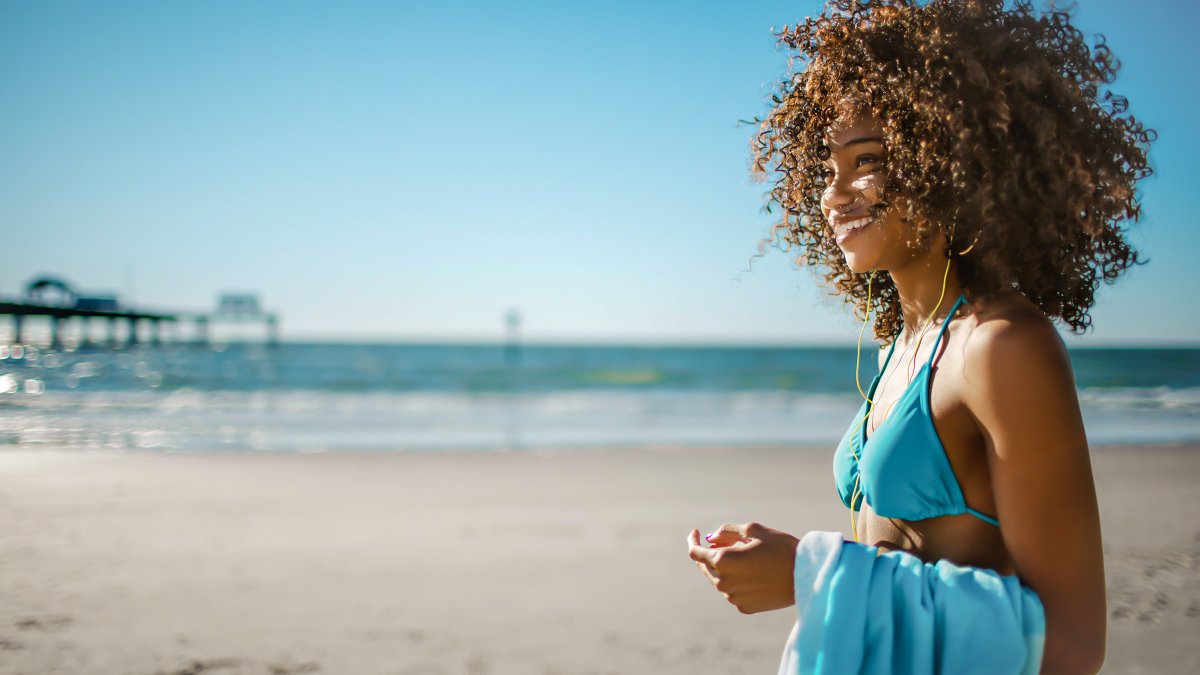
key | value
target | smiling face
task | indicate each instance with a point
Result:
(871, 235)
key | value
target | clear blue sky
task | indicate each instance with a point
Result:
(394, 170)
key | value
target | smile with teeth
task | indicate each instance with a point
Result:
(846, 229)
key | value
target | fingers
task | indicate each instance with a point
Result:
(726, 535)
(697, 551)
(730, 534)
(702, 556)
(750, 565)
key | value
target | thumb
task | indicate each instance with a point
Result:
(729, 534)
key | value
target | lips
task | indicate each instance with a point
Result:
(844, 230)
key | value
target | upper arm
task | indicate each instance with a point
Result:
(1022, 394)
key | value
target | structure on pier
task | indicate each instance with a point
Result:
(54, 298)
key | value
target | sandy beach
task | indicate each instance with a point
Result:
(529, 562)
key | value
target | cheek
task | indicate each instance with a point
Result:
(897, 232)
(826, 197)
(869, 187)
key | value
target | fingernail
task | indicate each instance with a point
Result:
(709, 536)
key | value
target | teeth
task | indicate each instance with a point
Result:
(855, 224)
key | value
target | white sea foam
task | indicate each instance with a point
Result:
(332, 421)
(1153, 398)
(390, 397)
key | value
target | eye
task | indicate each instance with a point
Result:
(867, 160)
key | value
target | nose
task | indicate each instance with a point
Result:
(839, 193)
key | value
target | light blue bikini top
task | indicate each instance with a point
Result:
(905, 471)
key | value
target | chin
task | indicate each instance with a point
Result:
(858, 264)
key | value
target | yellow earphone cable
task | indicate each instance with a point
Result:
(929, 320)
(861, 332)
(854, 495)
(858, 427)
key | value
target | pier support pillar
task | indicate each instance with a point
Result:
(155, 333)
(17, 321)
(512, 338)
(112, 332)
(133, 332)
(201, 330)
(55, 332)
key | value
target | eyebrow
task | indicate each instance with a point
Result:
(864, 139)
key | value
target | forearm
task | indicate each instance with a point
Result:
(1069, 651)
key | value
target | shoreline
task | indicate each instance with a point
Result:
(524, 561)
(605, 449)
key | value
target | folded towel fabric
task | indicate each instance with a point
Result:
(861, 612)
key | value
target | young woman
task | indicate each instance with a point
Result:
(958, 170)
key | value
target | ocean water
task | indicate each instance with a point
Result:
(345, 397)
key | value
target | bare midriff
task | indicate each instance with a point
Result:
(962, 539)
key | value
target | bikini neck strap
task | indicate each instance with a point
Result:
(946, 324)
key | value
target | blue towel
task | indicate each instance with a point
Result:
(861, 612)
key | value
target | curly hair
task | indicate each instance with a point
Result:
(1001, 134)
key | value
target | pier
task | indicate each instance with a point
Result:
(70, 313)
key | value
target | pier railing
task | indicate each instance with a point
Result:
(63, 319)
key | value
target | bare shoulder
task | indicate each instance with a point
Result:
(1018, 380)
(1010, 333)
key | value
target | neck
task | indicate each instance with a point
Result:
(919, 285)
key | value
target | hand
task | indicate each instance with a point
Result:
(751, 565)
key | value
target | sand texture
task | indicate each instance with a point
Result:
(557, 562)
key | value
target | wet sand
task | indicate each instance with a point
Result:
(554, 562)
